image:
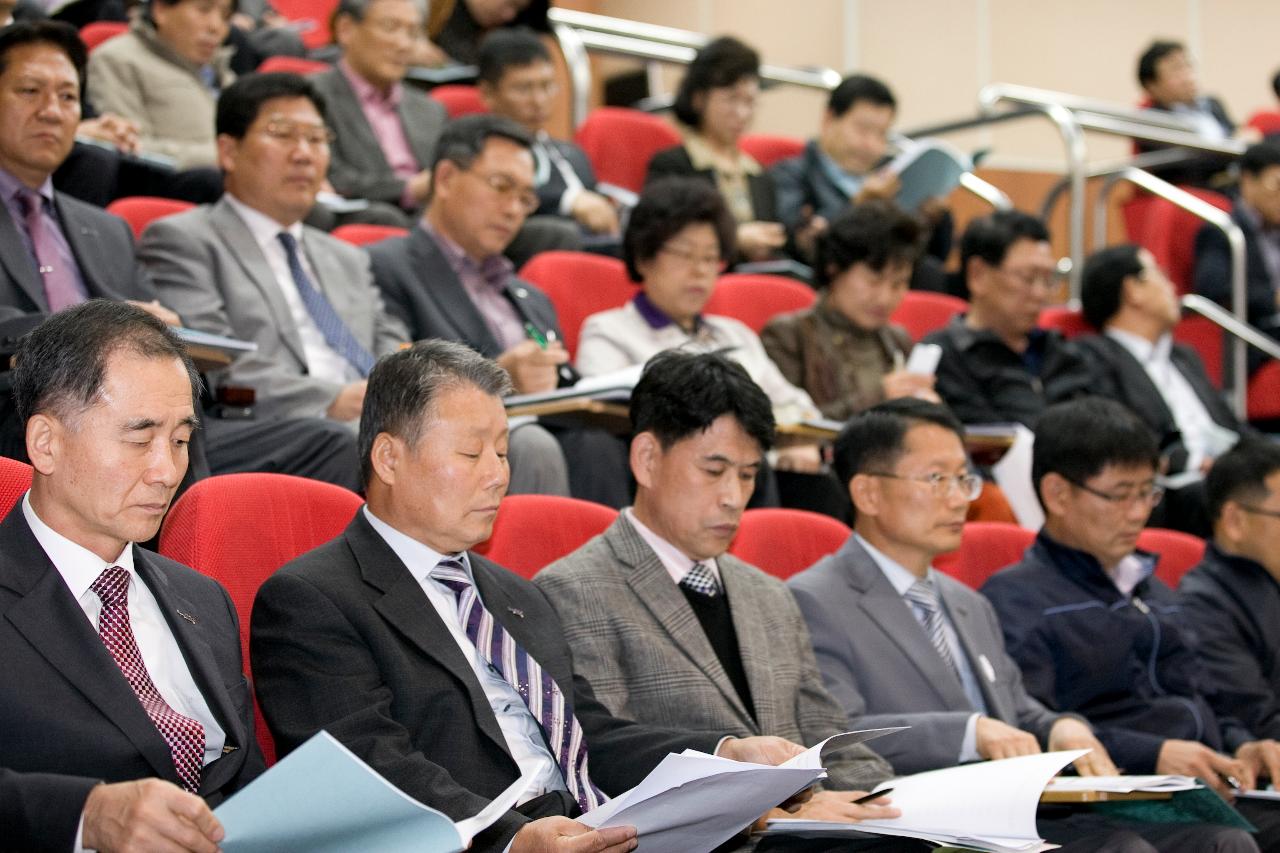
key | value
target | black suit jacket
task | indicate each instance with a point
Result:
(68, 718)
(344, 639)
(422, 289)
(675, 161)
(1213, 272)
(550, 191)
(1118, 375)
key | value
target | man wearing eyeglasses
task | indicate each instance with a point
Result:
(997, 364)
(1096, 633)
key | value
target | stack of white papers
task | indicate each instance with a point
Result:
(694, 802)
(323, 799)
(987, 806)
(1123, 784)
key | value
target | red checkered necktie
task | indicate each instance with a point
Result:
(184, 735)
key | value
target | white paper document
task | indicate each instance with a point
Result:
(1123, 784)
(323, 799)
(987, 806)
(812, 757)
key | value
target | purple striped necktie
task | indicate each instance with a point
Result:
(61, 289)
(546, 702)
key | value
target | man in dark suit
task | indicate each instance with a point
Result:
(1232, 599)
(56, 251)
(384, 132)
(518, 81)
(124, 700)
(1134, 360)
(449, 279)
(394, 606)
(1257, 212)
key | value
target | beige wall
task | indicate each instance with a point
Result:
(936, 54)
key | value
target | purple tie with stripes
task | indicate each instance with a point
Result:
(545, 700)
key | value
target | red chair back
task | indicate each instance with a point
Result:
(985, 548)
(313, 17)
(755, 299)
(619, 142)
(95, 33)
(1068, 321)
(1266, 122)
(239, 528)
(533, 531)
(1169, 232)
(784, 542)
(15, 479)
(459, 99)
(768, 149)
(1264, 393)
(292, 65)
(578, 284)
(922, 312)
(1206, 339)
(141, 210)
(359, 234)
(1179, 552)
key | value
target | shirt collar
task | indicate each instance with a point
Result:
(10, 185)
(1086, 567)
(702, 157)
(1141, 348)
(496, 270)
(417, 557)
(676, 562)
(900, 577)
(78, 566)
(656, 317)
(366, 92)
(263, 228)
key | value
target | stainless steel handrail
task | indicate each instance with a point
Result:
(993, 94)
(986, 191)
(581, 32)
(1237, 381)
(1228, 322)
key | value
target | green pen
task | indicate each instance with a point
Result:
(532, 331)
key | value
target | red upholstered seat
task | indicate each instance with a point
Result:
(95, 33)
(1066, 320)
(783, 542)
(1178, 551)
(359, 234)
(755, 299)
(768, 149)
(1264, 393)
(533, 531)
(922, 312)
(141, 210)
(1267, 122)
(15, 478)
(240, 528)
(985, 548)
(619, 142)
(579, 284)
(460, 100)
(312, 17)
(1169, 232)
(292, 65)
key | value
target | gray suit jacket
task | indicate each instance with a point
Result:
(358, 168)
(880, 665)
(209, 269)
(635, 638)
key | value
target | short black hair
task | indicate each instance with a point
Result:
(241, 102)
(876, 233)
(682, 393)
(146, 7)
(875, 439)
(60, 365)
(1151, 57)
(464, 138)
(1259, 157)
(508, 47)
(1102, 290)
(989, 237)
(1241, 473)
(666, 207)
(1078, 438)
(857, 88)
(721, 62)
(1275, 84)
(404, 385)
(53, 33)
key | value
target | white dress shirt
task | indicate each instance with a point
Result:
(521, 731)
(672, 558)
(1201, 434)
(901, 578)
(323, 362)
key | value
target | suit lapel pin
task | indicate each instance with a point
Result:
(517, 612)
(188, 617)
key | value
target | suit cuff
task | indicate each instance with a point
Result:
(720, 743)
(969, 746)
